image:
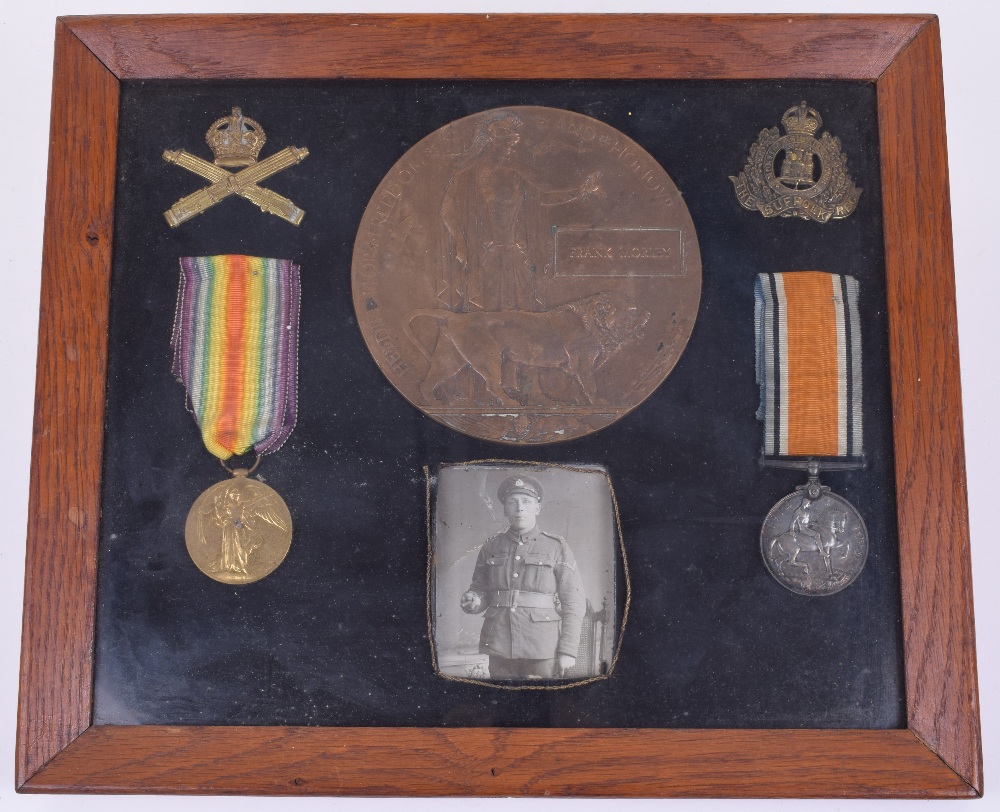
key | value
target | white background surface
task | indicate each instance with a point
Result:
(970, 34)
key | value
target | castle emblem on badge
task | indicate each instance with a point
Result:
(797, 174)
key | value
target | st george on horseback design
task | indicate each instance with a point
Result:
(814, 542)
(808, 336)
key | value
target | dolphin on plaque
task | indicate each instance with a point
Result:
(526, 275)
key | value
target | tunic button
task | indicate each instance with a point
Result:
(515, 575)
(517, 558)
(520, 542)
(513, 608)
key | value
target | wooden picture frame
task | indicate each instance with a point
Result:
(58, 748)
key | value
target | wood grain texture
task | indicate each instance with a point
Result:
(485, 761)
(64, 508)
(497, 46)
(57, 750)
(938, 628)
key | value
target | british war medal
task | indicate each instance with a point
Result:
(235, 343)
(526, 275)
(236, 142)
(797, 174)
(813, 541)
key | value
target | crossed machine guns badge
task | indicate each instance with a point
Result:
(236, 141)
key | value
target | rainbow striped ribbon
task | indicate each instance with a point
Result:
(235, 342)
(809, 364)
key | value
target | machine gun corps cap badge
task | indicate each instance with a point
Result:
(236, 141)
(800, 188)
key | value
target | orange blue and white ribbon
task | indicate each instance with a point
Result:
(809, 364)
(235, 342)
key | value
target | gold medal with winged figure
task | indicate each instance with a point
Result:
(238, 531)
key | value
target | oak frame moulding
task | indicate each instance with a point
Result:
(60, 750)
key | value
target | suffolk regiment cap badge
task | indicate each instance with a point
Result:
(236, 142)
(797, 174)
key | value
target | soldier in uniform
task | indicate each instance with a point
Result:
(527, 583)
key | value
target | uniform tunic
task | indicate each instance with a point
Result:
(532, 562)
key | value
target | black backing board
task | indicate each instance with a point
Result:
(337, 635)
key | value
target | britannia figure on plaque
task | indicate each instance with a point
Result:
(492, 257)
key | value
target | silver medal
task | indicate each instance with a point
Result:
(813, 541)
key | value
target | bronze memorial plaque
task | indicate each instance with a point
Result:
(526, 275)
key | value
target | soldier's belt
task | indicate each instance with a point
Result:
(530, 600)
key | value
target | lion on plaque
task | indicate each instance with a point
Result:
(512, 350)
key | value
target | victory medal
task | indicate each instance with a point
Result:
(235, 344)
(239, 530)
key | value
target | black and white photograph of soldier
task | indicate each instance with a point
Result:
(524, 573)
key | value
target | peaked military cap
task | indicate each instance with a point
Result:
(520, 483)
